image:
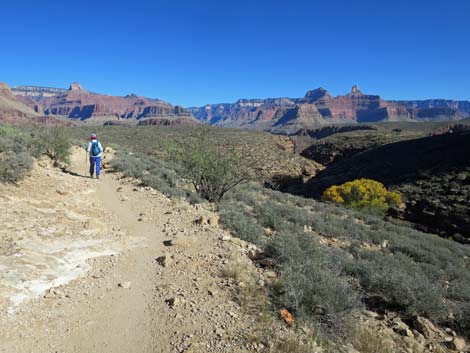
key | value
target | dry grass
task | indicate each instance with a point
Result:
(368, 341)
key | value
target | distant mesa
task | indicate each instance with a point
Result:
(75, 86)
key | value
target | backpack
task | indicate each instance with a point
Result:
(95, 149)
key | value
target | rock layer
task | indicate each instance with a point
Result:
(77, 103)
(319, 107)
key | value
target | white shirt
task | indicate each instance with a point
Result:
(88, 149)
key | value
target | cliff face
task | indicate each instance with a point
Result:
(319, 107)
(77, 103)
(10, 107)
(433, 107)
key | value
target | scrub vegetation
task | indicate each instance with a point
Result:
(18, 146)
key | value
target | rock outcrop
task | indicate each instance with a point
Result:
(318, 107)
(10, 107)
(75, 86)
(77, 103)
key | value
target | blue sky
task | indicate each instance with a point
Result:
(192, 52)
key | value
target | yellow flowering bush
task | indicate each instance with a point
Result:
(363, 194)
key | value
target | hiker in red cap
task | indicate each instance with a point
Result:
(94, 150)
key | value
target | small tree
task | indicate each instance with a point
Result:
(212, 170)
(54, 143)
(363, 194)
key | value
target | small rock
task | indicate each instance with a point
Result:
(214, 221)
(164, 260)
(50, 294)
(270, 274)
(401, 328)
(457, 344)
(171, 302)
(213, 292)
(202, 221)
(425, 327)
(125, 285)
(371, 314)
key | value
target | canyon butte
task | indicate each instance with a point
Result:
(319, 107)
(278, 115)
(78, 104)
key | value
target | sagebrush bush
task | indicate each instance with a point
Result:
(15, 155)
(53, 142)
(312, 283)
(365, 194)
(151, 172)
(14, 166)
(416, 273)
(242, 226)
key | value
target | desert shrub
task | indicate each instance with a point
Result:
(53, 142)
(194, 198)
(212, 172)
(151, 172)
(364, 194)
(416, 273)
(15, 158)
(398, 283)
(242, 226)
(368, 341)
(463, 318)
(312, 283)
(14, 165)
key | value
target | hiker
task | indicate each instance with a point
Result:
(94, 150)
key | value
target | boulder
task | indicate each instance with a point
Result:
(457, 344)
(426, 327)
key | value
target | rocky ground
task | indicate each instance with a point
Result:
(155, 283)
(110, 266)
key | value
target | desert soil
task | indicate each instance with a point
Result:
(79, 269)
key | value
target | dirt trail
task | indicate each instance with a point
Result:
(128, 301)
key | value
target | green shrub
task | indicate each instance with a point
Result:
(242, 226)
(52, 142)
(399, 284)
(14, 166)
(151, 172)
(312, 283)
(416, 273)
(210, 170)
(15, 158)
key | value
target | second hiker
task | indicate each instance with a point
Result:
(94, 150)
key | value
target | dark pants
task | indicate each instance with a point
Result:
(93, 161)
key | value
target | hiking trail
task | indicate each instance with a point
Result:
(110, 266)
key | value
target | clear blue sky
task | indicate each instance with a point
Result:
(193, 52)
